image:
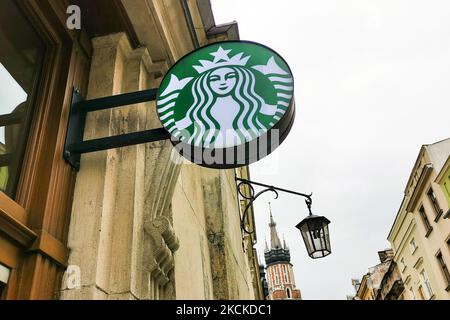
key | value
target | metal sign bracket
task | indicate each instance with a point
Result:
(75, 146)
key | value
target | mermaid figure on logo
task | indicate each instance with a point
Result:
(226, 107)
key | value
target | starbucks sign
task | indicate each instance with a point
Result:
(227, 104)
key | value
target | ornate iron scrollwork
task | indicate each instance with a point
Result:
(251, 199)
(253, 196)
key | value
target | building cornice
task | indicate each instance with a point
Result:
(415, 168)
(398, 221)
(362, 286)
(441, 175)
(402, 212)
(229, 30)
(409, 203)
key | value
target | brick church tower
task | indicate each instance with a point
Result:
(279, 273)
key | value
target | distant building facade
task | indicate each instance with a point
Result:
(279, 272)
(355, 284)
(371, 282)
(391, 286)
(420, 235)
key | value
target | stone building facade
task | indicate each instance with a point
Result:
(135, 222)
(368, 287)
(391, 286)
(420, 235)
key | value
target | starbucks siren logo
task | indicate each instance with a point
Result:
(225, 95)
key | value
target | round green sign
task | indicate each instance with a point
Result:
(227, 104)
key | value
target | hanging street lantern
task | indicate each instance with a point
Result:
(315, 233)
(314, 229)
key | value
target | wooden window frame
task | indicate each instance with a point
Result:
(34, 227)
(26, 122)
(4, 282)
(425, 282)
(434, 203)
(425, 221)
(412, 293)
(36, 222)
(444, 269)
(402, 264)
(421, 292)
(413, 246)
(447, 241)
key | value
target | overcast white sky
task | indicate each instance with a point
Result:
(372, 86)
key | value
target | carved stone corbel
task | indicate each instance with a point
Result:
(162, 244)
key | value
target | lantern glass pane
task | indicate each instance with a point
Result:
(307, 238)
(315, 234)
(327, 237)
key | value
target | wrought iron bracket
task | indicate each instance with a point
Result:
(252, 197)
(75, 146)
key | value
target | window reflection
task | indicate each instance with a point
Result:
(4, 277)
(21, 54)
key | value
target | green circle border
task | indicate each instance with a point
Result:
(284, 124)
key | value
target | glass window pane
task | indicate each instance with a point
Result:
(4, 277)
(4, 274)
(20, 62)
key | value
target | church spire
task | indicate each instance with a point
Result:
(281, 284)
(285, 247)
(274, 239)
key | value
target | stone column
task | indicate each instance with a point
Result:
(121, 235)
(95, 189)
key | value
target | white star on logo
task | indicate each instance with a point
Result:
(220, 54)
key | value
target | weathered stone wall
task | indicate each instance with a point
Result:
(207, 222)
